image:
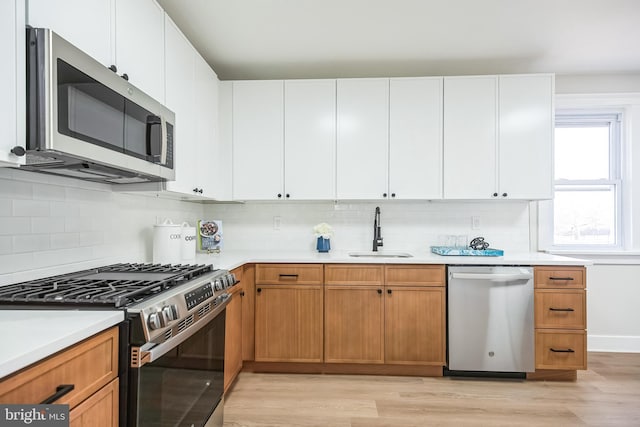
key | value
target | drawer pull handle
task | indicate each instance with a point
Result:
(61, 390)
(568, 350)
(289, 276)
(560, 278)
(561, 309)
(259, 290)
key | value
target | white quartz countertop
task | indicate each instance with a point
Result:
(32, 335)
(230, 260)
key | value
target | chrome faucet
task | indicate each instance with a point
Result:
(377, 231)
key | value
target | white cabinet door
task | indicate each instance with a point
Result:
(87, 24)
(470, 133)
(258, 134)
(363, 138)
(206, 106)
(139, 46)
(310, 139)
(415, 138)
(224, 147)
(12, 77)
(526, 136)
(180, 96)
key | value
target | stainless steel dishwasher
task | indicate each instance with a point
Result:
(490, 319)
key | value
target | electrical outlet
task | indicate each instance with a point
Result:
(277, 222)
(475, 222)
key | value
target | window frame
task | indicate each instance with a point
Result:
(572, 118)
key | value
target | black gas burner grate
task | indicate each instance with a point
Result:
(117, 285)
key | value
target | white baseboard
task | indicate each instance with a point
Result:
(614, 343)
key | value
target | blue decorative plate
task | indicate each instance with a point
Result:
(453, 251)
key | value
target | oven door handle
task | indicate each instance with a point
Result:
(149, 355)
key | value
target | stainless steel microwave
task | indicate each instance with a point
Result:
(85, 121)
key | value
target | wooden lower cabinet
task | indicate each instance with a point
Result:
(91, 366)
(560, 319)
(99, 410)
(248, 312)
(414, 325)
(391, 314)
(354, 324)
(288, 323)
(233, 336)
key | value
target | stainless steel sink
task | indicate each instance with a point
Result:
(386, 254)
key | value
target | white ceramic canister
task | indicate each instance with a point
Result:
(167, 243)
(188, 242)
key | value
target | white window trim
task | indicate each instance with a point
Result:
(630, 239)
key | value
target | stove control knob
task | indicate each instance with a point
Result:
(217, 285)
(156, 321)
(170, 312)
(232, 279)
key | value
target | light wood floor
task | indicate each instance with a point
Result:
(608, 394)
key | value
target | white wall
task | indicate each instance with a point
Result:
(613, 317)
(409, 226)
(597, 83)
(51, 225)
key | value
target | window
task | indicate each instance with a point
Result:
(587, 202)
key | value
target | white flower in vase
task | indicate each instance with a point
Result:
(323, 230)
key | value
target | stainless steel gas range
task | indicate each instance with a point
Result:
(171, 342)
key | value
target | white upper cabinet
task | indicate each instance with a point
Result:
(310, 139)
(139, 49)
(192, 94)
(498, 137)
(87, 24)
(180, 98)
(258, 140)
(415, 138)
(470, 132)
(126, 33)
(526, 135)
(12, 78)
(362, 138)
(224, 147)
(206, 106)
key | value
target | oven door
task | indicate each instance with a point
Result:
(180, 382)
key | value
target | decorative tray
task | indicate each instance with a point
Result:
(455, 251)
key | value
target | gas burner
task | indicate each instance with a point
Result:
(117, 285)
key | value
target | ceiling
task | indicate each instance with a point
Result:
(273, 39)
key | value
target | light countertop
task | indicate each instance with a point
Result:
(32, 335)
(29, 336)
(231, 260)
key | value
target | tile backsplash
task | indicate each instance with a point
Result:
(409, 226)
(51, 225)
(48, 222)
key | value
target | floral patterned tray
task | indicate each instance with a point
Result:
(454, 251)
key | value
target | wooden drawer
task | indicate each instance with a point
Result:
(561, 349)
(288, 274)
(354, 274)
(99, 410)
(560, 309)
(560, 277)
(414, 275)
(89, 366)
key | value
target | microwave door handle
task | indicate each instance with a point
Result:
(163, 130)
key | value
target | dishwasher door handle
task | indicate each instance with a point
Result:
(494, 277)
